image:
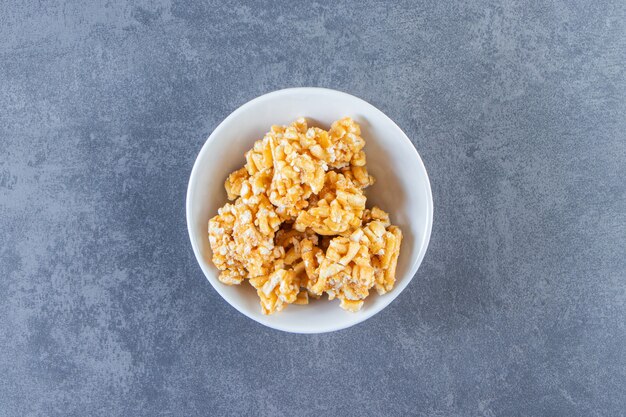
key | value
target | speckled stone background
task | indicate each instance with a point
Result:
(517, 108)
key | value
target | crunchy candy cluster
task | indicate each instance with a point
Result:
(298, 225)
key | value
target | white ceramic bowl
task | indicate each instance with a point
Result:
(402, 189)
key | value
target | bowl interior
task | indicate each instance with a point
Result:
(402, 189)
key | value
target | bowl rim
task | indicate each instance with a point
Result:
(414, 265)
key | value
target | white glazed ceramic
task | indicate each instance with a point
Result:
(402, 188)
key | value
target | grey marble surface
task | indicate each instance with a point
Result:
(517, 108)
